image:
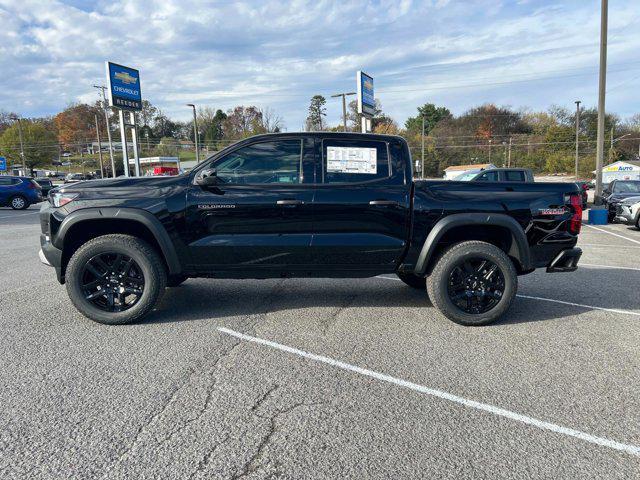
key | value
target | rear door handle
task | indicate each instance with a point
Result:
(384, 202)
(286, 203)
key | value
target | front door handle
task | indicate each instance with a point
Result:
(384, 202)
(289, 203)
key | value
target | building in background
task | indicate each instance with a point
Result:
(629, 170)
(158, 165)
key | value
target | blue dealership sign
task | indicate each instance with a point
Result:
(124, 87)
(3, 164)
(366, 99)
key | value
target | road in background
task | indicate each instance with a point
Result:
(174, 397)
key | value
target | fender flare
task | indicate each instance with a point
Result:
(519, 246)
(143, 217)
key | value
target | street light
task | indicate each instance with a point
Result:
(344, 106)
(195, 130)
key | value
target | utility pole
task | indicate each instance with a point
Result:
(602, 88)
(612, 132)
(422, 171)
(509, 160)
(344, 106)
(578, 102)
(99, 146)
(19, 121)
(490, 141)
(195, 130)
(102, 88)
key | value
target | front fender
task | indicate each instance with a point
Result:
(519, 245)
(133, 214)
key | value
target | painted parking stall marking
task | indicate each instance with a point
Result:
(613, 234)
(559, 429)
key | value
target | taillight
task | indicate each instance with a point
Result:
(575, 224)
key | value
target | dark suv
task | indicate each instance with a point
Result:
(19, 192)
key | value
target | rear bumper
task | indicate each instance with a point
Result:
(565, 261)
(50, 255)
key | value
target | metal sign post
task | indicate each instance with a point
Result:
(123, 136)
(125, 94)
(366, 99)
(134, 137)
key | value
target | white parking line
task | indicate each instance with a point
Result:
(20, 214)
(613, 267)
(613, 234)
(605, 246)
(613, 310)
(604, 442)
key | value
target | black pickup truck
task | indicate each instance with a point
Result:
(307, 205)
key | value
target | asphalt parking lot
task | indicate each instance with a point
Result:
(322, 378)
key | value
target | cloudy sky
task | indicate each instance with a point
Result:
(457, 53)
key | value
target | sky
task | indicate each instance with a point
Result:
(278, 54)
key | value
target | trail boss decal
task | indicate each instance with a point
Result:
(215, 206)
(552, 211)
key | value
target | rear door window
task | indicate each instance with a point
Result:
(514, 176)
(5, 181)
(355, 161)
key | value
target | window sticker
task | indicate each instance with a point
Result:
(352, 160)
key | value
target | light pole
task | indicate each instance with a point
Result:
(195, 130)
(602, 88)
(344, 106)
(102, 88)
(578, 102)
(99, 146)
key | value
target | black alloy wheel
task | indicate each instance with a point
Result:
(112, 282)
(476, 285)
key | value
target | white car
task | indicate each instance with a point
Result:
(628, 211)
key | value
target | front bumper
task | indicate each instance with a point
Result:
(565, 261)
(624, 215)
(50, 255)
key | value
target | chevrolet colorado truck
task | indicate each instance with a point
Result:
(307, 205)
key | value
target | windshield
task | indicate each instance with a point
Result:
(627, 187)
(466, 177)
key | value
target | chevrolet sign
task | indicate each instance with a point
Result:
(124, 87)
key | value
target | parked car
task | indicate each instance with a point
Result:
(19, 192)
(46, 185)
(628, 211)
(497, 175)
(314, 204)
(617, 191)
(77, 177)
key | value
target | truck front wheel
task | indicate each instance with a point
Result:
(473, 283)
(115, 279)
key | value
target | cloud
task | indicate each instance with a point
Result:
(279, 54)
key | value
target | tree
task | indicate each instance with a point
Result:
(242, 122)
(214, 131)
(148, 113)
(432, 115)
(76, 125)
(163, 126)
(6, 119)
(40, 144)
(354, 119)
(317, 110)
(271, 121)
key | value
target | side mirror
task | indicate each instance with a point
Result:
(207, 177)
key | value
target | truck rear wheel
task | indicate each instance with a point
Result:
(473, 283)
(115, 279)
(414, 281)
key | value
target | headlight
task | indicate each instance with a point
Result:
(61, 199)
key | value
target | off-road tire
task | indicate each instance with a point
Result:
(438, 281)
(152, 266)
(18, 202)
(176, 280)
(414, 281)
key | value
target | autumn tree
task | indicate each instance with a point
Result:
(76, 125)
(242, 122)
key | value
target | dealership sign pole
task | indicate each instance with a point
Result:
(366, 99)
(123, 84)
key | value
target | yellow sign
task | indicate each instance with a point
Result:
(124, 77)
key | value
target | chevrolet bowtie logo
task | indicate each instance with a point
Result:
(124, 77)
